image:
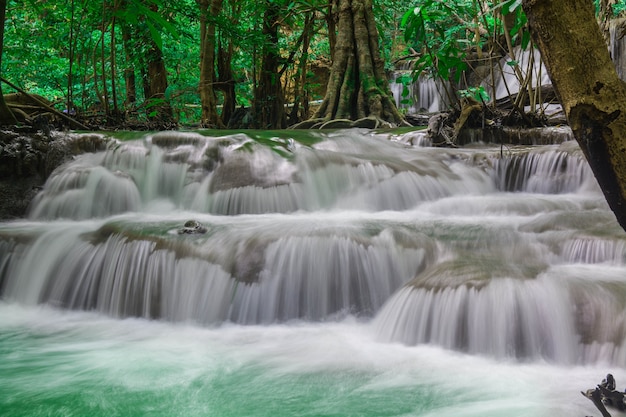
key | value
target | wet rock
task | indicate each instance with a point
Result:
(27, 159)
(192, 227)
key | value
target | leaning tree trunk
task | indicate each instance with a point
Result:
(592, 95)
(358, 87)
(6, 115)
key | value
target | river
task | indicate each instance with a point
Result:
(348, 273)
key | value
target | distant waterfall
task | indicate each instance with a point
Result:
(426, 95)
(617, 47)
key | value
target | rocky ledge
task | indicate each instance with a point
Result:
(27, 159)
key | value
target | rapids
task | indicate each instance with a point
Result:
(344, 273)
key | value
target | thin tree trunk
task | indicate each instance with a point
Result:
(129, 71)
(70, 81)
(113, 61)
(6, 115)
(105, 92)
(155, 84)
(226, 80)
(209, 9)
(300, 92)
(585, 80)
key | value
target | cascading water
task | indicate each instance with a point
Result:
(424, 95)
(345, 273)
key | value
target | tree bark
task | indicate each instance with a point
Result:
(358, 86)
(6, 115)
(301, 96)
(226, 79)
(209, 9)
(268, 108)
(585, 80)
(129, 71)
(158, 107)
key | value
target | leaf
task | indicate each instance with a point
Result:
(405, 18)
(512, 63)
(525, 40)
(155, 34)
(510, 6)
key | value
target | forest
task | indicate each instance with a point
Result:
(191, 224)
(216, 63)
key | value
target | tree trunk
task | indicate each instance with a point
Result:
(155, 85)
(226, 79)
(209, 9)
(585, 80)
(129, 71)
(269, 102)
(6, 115)
(358, 86)
(301, 96)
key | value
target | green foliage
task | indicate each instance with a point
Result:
(80, 35)
(519, 31)
(619, 8)
(442, 41)
(477, 93)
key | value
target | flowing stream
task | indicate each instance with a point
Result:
(347, 273)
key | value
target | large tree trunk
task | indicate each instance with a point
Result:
(592, 95)
(6, 115)
(358, 86)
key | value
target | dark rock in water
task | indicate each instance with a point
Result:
(192, 227)
(27, 159)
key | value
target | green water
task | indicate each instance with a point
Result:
(80, 364)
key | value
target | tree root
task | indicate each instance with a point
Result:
(370, 122)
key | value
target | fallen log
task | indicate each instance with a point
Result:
(51, 109)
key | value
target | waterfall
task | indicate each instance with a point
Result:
(507, 81)
(617, 46)
(506, 253)
(424, 95)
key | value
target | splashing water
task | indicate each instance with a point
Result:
(345, 274)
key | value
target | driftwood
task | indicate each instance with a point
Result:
(602, 397)
(42, 103)
(595, 397)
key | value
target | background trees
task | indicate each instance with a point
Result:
(156, 60)
(201, 61)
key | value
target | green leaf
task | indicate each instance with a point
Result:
(525, 39)
(155, 34)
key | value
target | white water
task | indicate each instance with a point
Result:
(135, 367)
(424, 95)
(353, 263)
